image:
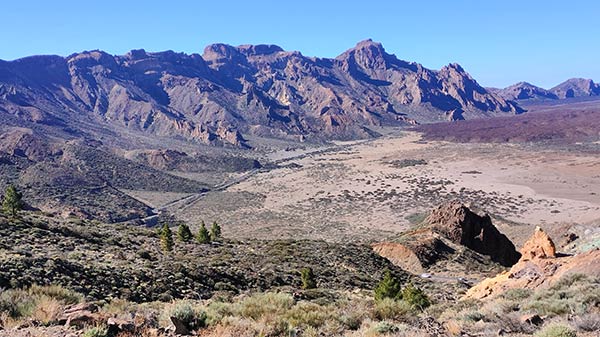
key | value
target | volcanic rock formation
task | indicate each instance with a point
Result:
(452, 232)
(539, 266)
(462, 226)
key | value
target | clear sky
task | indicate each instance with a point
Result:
(498, 42)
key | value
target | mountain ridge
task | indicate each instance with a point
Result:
(228, 91)
(571, 88)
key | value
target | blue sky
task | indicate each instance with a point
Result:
(498, 42)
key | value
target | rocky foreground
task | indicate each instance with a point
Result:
(115, 281)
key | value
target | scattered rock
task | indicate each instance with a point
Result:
(568, 238)
(532, 319)
(86, 306)
(116, 325)
(180, 327)
(80, 315)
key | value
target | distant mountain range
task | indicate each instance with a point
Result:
(572, 88)
(228, 92)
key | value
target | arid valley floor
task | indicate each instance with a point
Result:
(369, 190)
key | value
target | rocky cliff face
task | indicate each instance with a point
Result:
(261, 90)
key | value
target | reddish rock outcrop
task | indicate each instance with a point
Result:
(538, 246)
(539, 267)
(462, 226)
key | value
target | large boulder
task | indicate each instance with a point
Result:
(538, 246)
(462, 226)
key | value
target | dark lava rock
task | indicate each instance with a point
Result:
(462, 226)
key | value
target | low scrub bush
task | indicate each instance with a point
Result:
(573, 294)
(308, 314)
(588, 322)
(556, 330)
(97, 331)
(390, 309)
(191, 316)
(258, 305)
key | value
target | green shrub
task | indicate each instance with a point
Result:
(351, 320)
(190, 316)
(385, 327)
(58, 293)
(258, 305)
(415, 297)
(308, 278)
(96, 332)
(517, 294)
(216, 311)
(307, 314)
(573, 294)
(388, 287)
(388, 308)
(556, 330)
(473, 316)
(16, 303)
(11, 202)
(166, 238)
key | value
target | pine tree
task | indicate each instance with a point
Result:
(203, 236)
(215, 231)
(12, 202)
(166, 238)
(388, 287)
(184, 234)
(308, 278)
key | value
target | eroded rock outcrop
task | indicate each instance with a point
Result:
(454, 241)
(539, 266)
(538, 246)
(462, 226)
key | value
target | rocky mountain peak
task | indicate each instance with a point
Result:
(249, 88)
(259, 49)
(576, 87)
(525, 90)
(368, 54)
(220, 52)
(454, 67)
(136, 54)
